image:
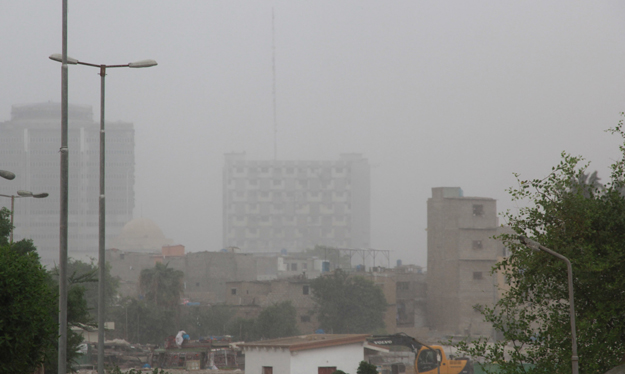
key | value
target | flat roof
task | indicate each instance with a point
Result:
(306, 342)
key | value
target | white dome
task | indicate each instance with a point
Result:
(140, 235)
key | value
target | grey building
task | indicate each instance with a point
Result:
(461, 253)
(273, 205)
(29, 144)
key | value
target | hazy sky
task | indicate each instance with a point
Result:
(437, 93)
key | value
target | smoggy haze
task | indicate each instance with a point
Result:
(431, 93)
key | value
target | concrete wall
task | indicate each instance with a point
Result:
(249, 298)
(461, 253)
(257, 358)
(386, 281)
(344, 357)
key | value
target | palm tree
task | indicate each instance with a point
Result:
(587, 184)
(161, 285)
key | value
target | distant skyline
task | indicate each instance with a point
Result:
(457, 94)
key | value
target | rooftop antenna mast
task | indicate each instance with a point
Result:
(273, 69)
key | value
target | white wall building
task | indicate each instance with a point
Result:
(270, 205)
(305, 354)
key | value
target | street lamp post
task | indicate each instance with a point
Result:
(537, 247)
(102, 205)
(21, 193)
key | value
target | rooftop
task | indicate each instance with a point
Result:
(306, 342)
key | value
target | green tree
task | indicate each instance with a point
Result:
(86, 274)
(277, 321)
(5, 226)
(161, 285)
(28, 327)
(200, 321)
(584, 221)
(78, 314)
(366, 368)
(242, 329)
(348, 304)
(144, 323)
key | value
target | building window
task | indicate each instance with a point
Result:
(477, 275)
(197, 284)
(306, 290)
(477, 244)
(233, 291)
(478, 210)
(294, 267)
(267, 370)
(325, 369)
(304, 318)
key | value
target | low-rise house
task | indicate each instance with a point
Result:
(305, 354)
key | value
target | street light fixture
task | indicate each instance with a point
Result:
(7, 175)
(538, 248)
(21, 193)
(102, 219)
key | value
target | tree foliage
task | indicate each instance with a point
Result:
(161, 285)
(366, 368)
(142, 322)
(28, 324)
(585, 222)
(348, 304)
(201, 321)
(277, 321)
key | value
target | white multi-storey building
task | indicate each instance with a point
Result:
(29, 147)
(272, 205)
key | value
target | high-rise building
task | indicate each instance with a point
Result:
(272, 205)
(29, 145)
(461, 254)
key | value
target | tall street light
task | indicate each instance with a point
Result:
(7, 175)
(537, 247)
(102, 211)
(21, 193)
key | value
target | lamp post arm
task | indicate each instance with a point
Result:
(538, 247)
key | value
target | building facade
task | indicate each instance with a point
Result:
(318, 353)
(295, 205)
(461, 253)
(29, 145)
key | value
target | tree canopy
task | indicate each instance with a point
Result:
(584, 221)
(161, 285)
(277, 321)
(348, 304)
(28, 324)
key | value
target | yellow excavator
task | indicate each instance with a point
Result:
(428, 359)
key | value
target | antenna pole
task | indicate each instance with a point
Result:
(273, 70)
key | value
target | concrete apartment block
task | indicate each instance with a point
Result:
(461, 253)
(271, 205)
(30, 143)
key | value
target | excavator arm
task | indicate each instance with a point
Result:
(396, 339)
